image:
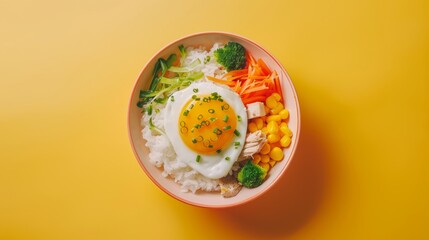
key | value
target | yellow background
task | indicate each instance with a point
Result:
(361, 70)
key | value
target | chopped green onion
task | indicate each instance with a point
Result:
(237, 133)
(211, 110)
(206, 59)
(206, 143)
(198, 158)
(149, 110)
(183, 130)
(172, 98)
(227, 158)
(191, 106)
(239, 118)
(225, 106)
(194, 140)
(160, 100)
(217, 131)
(236, 143)
(219, 151)
(182, 123)
(185, 113)
(213, 119)
(225, 118)
(194, 96)
(200, 116)
(210, 146)
(140, 104)
(227, 127)
(195, 90)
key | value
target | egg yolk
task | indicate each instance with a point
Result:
(207, 123)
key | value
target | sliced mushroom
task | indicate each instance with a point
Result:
(229, 186)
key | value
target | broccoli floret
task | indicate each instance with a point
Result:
(232, 56)
(251, 175)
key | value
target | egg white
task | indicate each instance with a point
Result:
(213, 166)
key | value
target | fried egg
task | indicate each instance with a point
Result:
(206, 125)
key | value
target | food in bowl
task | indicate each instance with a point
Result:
(214, 119)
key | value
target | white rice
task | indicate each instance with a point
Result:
(162, 153)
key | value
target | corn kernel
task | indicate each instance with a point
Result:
(264, 130)
(284, 114)
(252, 127)
(285, 130)
(277, 109)
(256, 158)
(271, 102)
(273, 138)
(285, 141)
(276, 144)
(265, 149)
(259, 123)
(265, 166)
(273, 127)
(273, 118)
(277, 96)
(265, 158)
(272, 163)
(276, 154)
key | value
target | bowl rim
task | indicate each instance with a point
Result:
(293, 150)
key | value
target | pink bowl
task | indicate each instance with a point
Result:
(203, 199)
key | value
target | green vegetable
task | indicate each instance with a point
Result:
(232, 56)
(251, 175)
(160, 68)
(182, 54)
(161, 86)
(237, 133)
(225, 118)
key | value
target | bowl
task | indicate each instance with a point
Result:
(167, 184)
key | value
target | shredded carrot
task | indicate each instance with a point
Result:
(253, 83)
(236, 77)
(257, 77)
(229, 83)
(264, 67)
(237, 86)
(254, 99)
(277, 82)
(234, 73)
(255, 89)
